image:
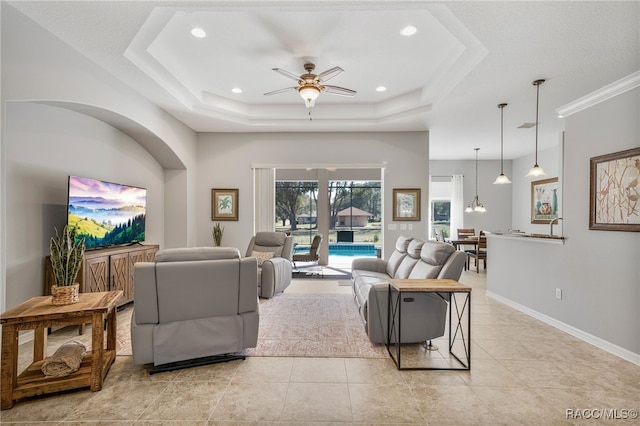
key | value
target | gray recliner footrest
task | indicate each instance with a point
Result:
(197, 362)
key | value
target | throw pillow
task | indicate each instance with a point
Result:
(262, 256)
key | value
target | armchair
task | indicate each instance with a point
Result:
(274, 253)
(193, 303)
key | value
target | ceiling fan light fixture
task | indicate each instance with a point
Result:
(309, 94)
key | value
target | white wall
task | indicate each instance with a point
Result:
(225, 162)
(598, 271)
(43, 145)
(551, 162)
(39, 67)
(496, 198)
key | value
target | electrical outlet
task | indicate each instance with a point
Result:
(558, 293)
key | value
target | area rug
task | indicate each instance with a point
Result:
(345, 283)
(300, 325)
(313, 325)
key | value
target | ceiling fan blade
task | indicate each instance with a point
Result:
(275, 92)
(341, 91)
(329, 74)
(287, 73)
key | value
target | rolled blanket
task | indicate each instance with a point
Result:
(65, 360)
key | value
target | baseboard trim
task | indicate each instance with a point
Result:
(569, 329)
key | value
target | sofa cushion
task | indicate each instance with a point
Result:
(196, 253)
(436, 253)
(433, 256)
(262, 256)
(382, 276)
(270, 241)
(410, 260)
(402, 244)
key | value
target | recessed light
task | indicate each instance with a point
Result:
(236, 90)
(409, 30)
(198, 32)
(381, 89)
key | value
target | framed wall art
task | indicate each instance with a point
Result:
(614, 191)
(544, 200)
(224, 204)
(406, 204)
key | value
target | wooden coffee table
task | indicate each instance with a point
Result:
(39, 314)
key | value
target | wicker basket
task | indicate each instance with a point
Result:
(65, 295)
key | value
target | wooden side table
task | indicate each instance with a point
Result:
(38, 314)
(450, 287)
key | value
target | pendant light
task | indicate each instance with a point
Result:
(536, 170)
(502, 178)
(475, 206)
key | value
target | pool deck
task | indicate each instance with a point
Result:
(338, 265)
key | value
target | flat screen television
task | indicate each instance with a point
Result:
(106, 213)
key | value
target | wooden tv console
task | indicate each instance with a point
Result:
(108, 269)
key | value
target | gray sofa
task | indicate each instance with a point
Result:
(194, 303)
(423, 314)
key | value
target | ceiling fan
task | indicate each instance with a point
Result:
(311, 85)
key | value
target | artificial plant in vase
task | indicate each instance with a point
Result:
(217, 234)
(66, 258)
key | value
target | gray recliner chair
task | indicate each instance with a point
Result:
(194, 303)
(273, 251)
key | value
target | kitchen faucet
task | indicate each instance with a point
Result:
(551, 225)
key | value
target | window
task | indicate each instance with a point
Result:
(440, 195)
(355, 211)
(297, 209)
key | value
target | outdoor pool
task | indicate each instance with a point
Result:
(344, 249)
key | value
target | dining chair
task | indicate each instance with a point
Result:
(466, 233)
(479, 253)
(463, 234)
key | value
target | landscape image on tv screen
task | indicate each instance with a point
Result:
(106, 213)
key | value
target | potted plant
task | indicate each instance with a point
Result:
(66, 259)
(217, 234)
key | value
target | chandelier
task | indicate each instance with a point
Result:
(476, 206)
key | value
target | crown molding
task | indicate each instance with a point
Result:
(607, 92)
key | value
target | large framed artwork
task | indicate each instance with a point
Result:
(614, 191)
(406, 204)
(544, 200)
(224, 204)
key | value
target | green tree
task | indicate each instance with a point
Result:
(288, 197)
(339, 199)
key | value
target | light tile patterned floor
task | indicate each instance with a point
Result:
(523, 372)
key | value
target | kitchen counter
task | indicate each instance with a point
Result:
(542, 238)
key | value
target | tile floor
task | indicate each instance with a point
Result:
(523, 372)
